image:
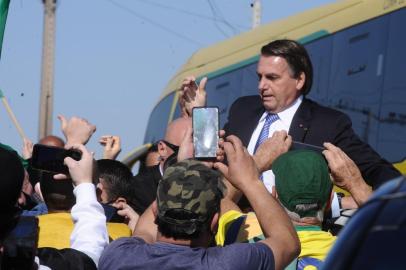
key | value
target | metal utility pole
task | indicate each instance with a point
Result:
(256, 13)
(47, 77)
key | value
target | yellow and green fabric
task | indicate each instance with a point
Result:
(236, 227)
(55, 230)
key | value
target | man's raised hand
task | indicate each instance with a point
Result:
(271, 149)
(192, 95)
(76, 130)
(241, 169)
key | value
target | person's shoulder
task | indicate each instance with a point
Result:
(246, 104)
(321, 109)
(124, 243)
(245, 256)
(255, 99)
(258, 246)
(243, 250)
(119, 248)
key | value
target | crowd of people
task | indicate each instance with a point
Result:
(257, 205)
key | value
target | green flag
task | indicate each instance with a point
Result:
(3, 17)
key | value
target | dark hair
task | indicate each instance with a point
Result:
(143, 158)
(176, 231)
(58, 194)
(297, 57)
(117, 178)
(11, 182)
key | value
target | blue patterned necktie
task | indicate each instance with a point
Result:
(270, 118)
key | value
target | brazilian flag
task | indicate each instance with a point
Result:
(3, 17)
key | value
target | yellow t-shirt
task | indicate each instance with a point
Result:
(249, 232)
(314, 242)
(55, 230)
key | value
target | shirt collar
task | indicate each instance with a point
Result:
(286, 115)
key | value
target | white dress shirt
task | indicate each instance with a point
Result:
(283, 123)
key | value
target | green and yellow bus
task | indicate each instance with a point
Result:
(358, 51)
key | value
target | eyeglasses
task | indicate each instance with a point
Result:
(175, 148)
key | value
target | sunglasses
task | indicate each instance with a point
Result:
(175, 148)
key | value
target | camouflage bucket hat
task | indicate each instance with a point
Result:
(302, 178)
(189, 187)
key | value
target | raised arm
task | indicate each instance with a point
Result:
(242, 172)
(146, 227)
(112, 146)
(271, 149)
(345, 174)
(76, 130)
(89, 234)
(191, 95)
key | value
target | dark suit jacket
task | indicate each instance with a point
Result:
(314, 124)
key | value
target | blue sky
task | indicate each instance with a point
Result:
(113, 57)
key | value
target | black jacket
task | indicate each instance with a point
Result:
(314, 124)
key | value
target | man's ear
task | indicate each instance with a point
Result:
(300, 81)
(328, 204)
(274, 193)
(120, 200)
(162, 150)
(214, 223)
(100, 184)
(154, 208)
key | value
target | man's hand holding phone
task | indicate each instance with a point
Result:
(186, 148)
(81, 171)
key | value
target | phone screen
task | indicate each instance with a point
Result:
(51, 158)
(205, 132)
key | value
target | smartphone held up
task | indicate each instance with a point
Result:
(51, 158)
(205, 132)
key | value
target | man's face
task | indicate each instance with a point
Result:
(277, 87)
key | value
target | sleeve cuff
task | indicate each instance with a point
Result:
(85, 192)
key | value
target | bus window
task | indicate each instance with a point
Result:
(250, 80)
(392, 131)
(355, 83)
(320, 55)
(222, 91)
(158, 120)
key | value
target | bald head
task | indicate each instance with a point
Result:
(176, 130)
(174, 135)
(52, 141)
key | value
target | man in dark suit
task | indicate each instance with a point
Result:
(285, 77)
